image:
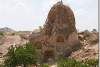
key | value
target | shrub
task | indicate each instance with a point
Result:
(92, 62)
(21, 56)
(67, 62)
(94, 30)
(1, 33)
(13, 34)
(44, 65)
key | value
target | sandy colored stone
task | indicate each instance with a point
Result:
(58, 33)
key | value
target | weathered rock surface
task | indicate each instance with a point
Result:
(58, 36)
(89, 49)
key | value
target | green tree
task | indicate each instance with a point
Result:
(23, 55)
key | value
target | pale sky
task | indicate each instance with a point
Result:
(29, 14)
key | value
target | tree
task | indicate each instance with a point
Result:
(94, 30)
(23, 55)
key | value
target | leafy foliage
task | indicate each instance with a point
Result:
(1, 34)
(13, 34)
(92, 62)
(67, 62)
(44, 65)
(21, 56)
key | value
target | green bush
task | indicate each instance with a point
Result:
(13, 34)
(92, 62)
(21, 56)
(67, 62)
(44, 65)
(1, 33)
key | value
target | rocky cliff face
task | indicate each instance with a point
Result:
(59, 35)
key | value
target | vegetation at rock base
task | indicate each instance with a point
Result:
(28, 55)
(68, 62)
(1, 34)
(18, 56)
(92, 62)
(44, 65)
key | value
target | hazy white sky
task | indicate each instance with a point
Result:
(29, 14)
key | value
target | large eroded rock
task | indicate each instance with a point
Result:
(58, 36)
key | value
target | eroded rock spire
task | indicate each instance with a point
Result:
(58, 36)
(61, 1)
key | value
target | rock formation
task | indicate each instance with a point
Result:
(89, 49)
(58, 36)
